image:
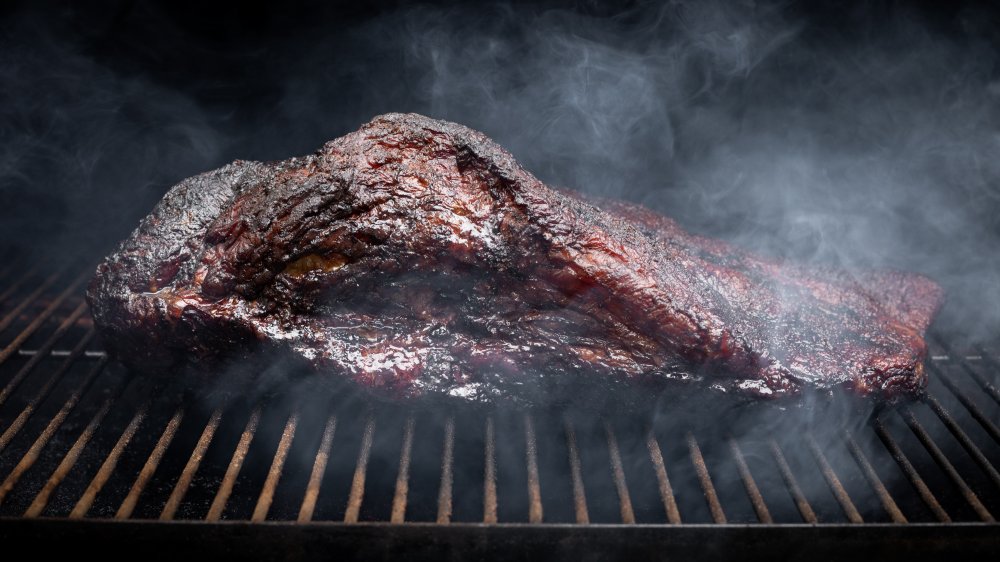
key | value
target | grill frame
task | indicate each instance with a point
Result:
(45, 307)
(276, 540)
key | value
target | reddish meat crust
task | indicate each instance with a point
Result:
(415, 257)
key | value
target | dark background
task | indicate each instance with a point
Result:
(862, 135)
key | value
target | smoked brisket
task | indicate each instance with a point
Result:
(415, 257)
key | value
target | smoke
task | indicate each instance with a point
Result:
(863, 137)
(85, 149)
(867, 146)
(855, 136)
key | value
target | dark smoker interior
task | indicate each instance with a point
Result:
(855, 135)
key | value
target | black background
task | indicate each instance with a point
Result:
(105, 106)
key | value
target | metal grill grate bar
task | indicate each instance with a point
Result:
(43, 392)
(8, 318)
(970, 447)
(911, 473)
(38, 320)
(987, 386)
(843, 498)
(235, 465)
(403, 474)
(274, 473)
(873, 479)
(23, 372)
(531, 460)
(35, 451)
(756, 499)
(806, 510)
(69, 460)
(31, 381)
(705, 479)
(946, 465)
(89, 354)
(576, 473)
(148, 469)
(360, 471)
(490, 475)
(447, 477)
(104, 473)
(618, 472)
(194, 461)
(318, 469)
(971, 407)
(662, 480)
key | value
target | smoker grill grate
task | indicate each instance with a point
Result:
(83, 439)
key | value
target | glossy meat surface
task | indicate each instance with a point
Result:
(415, 258)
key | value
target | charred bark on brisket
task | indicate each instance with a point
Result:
(415, 257)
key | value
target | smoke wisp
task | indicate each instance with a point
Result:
(854, 136)
(865, 142)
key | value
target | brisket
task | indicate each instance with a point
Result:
(415, 257)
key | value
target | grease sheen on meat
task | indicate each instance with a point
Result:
(415, 257)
